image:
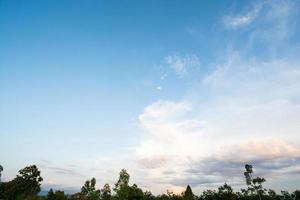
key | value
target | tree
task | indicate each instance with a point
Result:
(123, 179)
(57, 195)
(135, 193)
(148, 196)
(209, 195)
(162, 197)
(106, 192)
(287, 196)
(30, 177)
(225, 192)
(77, 196)
(26, 184)
(1, 169)
(50, 195)
(36, 197)
(173, 196)
(89, 190)
(188, 194)
(121, 187)
(254, 184)
(297, 194)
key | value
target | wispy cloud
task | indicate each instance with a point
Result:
(243, 19)
(181, 65)
(268, 14)
(61, 170)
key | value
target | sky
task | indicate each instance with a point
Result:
(176, 92)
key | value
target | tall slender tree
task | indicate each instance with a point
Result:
(89, 190)
(188, 194)
(1, 169)
(106, 192)
(122, 188)
(254, 184)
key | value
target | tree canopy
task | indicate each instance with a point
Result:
(27, 185)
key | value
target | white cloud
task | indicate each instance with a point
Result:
(245, 109)
(270, 14)
(159, 87)
(250, 112)
(238, 21)
(166, 142)
(167, 125)
(243, 19)
(181, 65)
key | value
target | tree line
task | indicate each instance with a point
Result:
(27, 186)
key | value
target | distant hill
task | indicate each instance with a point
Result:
(44, 191)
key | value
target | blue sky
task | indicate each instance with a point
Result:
(169, 90)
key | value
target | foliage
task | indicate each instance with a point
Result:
(77, 196)
(188, 194)
(254, 184)
(106, 192)
(57, 195)
(1, 169)
(122, 186)
(148, 196)
(27, 185)
(89, 190)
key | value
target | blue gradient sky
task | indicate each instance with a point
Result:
(90, 87)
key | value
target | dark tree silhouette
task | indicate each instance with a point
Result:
(188, 194)
(89, 190)
(57, 195)
(26, 184)
(1, 169)
(254, 184)
(122, 186)
(106, 192)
